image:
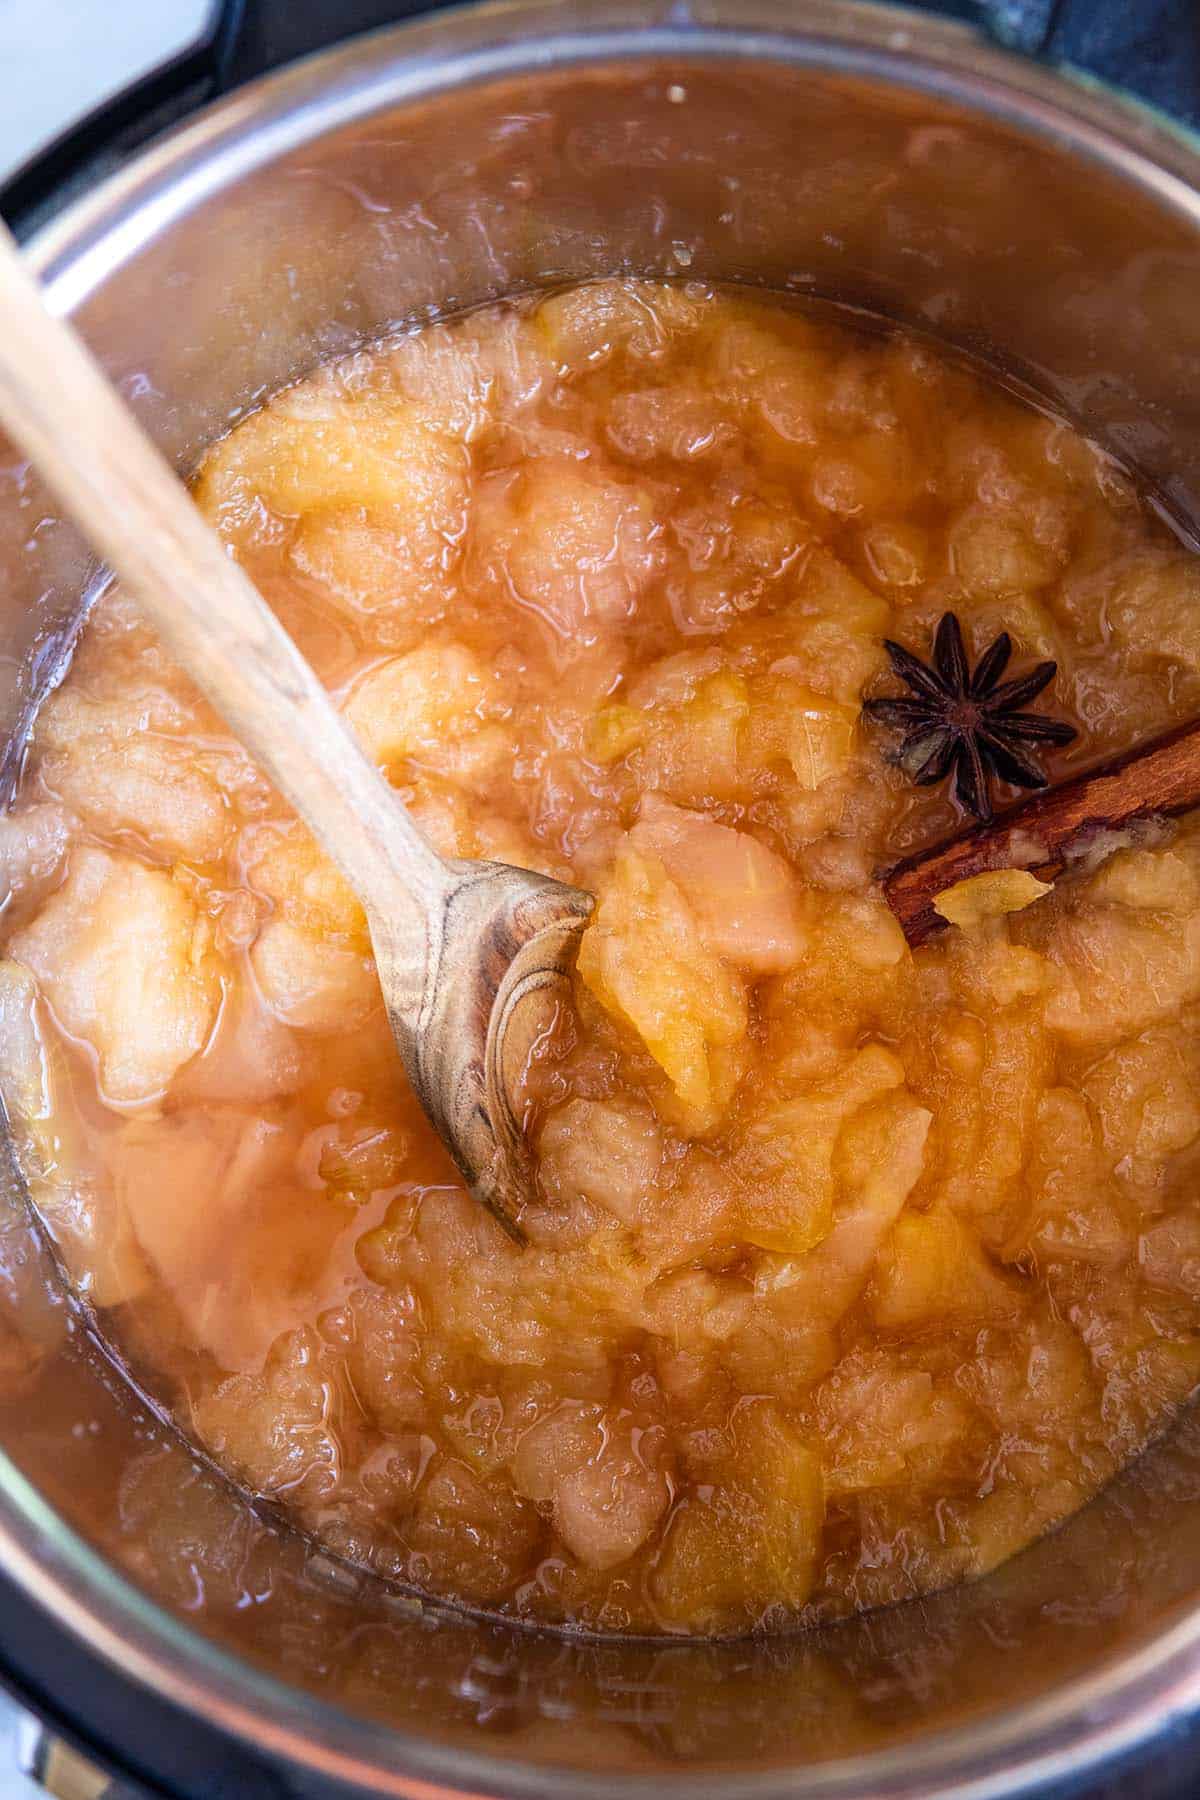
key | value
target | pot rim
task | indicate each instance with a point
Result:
(1091, 1720)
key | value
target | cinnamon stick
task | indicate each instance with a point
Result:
(1052, 828)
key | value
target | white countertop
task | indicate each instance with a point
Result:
(13, 1785)
(60, 58)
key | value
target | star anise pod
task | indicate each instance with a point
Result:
(971, 723)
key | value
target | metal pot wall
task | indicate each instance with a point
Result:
(851, 150)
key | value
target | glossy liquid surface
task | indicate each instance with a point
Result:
(850, 1271)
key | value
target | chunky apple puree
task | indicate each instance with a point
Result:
(849, 1271)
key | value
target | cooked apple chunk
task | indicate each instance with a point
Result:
(644, 958)
(122, 954)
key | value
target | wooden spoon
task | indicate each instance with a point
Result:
(471, 956)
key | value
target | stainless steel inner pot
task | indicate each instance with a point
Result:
(849, 150)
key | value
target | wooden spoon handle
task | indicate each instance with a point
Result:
(60, 408)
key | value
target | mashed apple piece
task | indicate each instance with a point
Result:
(848, 1270)
(122, 954)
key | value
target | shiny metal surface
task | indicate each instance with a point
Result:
(854, 151)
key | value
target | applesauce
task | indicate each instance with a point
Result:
(848, 1270)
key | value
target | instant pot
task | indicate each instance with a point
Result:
(934, 167)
